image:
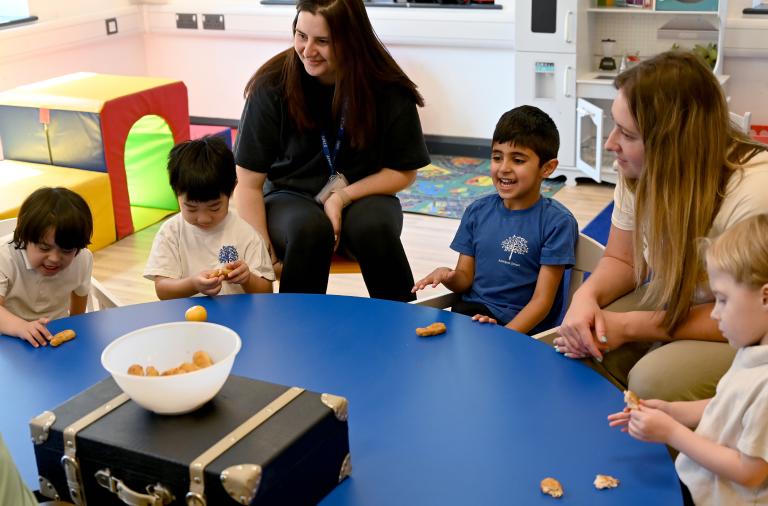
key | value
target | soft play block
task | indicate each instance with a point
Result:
(19, 179)
(83, 121)
(197, 131)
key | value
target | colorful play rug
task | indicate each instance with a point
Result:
(450, 183)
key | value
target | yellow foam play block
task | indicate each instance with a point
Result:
(81, 91)
(19, 179)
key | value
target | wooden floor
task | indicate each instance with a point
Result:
(426, 239)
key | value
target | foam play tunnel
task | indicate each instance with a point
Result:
(123, 126)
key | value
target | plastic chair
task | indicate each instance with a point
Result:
(100, 298)
(7, 226)
(588, 253)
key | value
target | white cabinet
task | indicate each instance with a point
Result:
(547, 81)
(545, 64)
(546, 25)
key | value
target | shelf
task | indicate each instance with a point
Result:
(638, 10)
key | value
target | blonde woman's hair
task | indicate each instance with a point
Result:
(742, 251)
(691, 151)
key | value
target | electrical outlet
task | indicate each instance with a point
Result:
(111, 26)
(188, 21)
(213, 21)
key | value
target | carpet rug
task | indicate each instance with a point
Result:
(450, 183)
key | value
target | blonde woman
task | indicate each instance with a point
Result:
(686, 172)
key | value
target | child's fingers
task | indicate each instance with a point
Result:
(30, 340)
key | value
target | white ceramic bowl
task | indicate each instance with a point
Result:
(166, 346)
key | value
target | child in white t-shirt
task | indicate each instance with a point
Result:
(725, 461)
(45, 271)
(206, 249)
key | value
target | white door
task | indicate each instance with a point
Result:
(548, 81)
(545, 25)
(589, 139)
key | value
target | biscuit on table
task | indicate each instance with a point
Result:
(62, 337)
(431, 330)
(552, 487)
(604, 481)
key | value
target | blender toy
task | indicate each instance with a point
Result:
(607, 62)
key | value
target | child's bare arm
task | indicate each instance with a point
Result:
(77, 303)
(240, 274)
(458, 280)
(725, 462)
(541, 301)
(686, 412)
(257, 284)
(34, 332)
(169, 288)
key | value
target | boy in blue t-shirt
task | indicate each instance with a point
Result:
(514, 246)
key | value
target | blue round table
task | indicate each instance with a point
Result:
(478, 415)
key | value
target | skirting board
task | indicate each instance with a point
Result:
(444, 145)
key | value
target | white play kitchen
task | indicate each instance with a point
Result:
(567, 53)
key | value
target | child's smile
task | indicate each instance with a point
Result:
(46, 257)
(517, 174)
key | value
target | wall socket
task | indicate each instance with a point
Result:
(213, 21)
(111, 26)
(186, 21)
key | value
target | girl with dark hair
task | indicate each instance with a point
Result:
(329, 134)
(45, 271)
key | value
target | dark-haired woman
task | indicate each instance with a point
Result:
(329, 134)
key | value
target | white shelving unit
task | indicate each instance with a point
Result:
(637, 31)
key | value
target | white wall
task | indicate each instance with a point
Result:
(462, 60)
(65, 41)
(49, 10)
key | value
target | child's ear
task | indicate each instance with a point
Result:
(548, 168)
(764, 295)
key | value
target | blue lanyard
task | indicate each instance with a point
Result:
(331, 157)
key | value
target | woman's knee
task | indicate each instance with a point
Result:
(681, 371)
(379, 219)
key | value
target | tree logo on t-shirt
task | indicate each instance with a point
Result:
(515, 244)
(228, 254)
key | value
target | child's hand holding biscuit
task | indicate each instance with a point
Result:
(206, 284)
(239, 272)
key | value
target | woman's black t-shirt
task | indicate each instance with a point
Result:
(268, 142)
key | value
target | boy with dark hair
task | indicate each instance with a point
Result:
(205, 249)
(45, 270)
(515, 245)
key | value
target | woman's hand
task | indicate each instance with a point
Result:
(434, 278)
(577, 336)
(333, 207)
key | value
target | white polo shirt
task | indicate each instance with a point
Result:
(30, 295)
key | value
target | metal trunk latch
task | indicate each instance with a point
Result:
(157, 495)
